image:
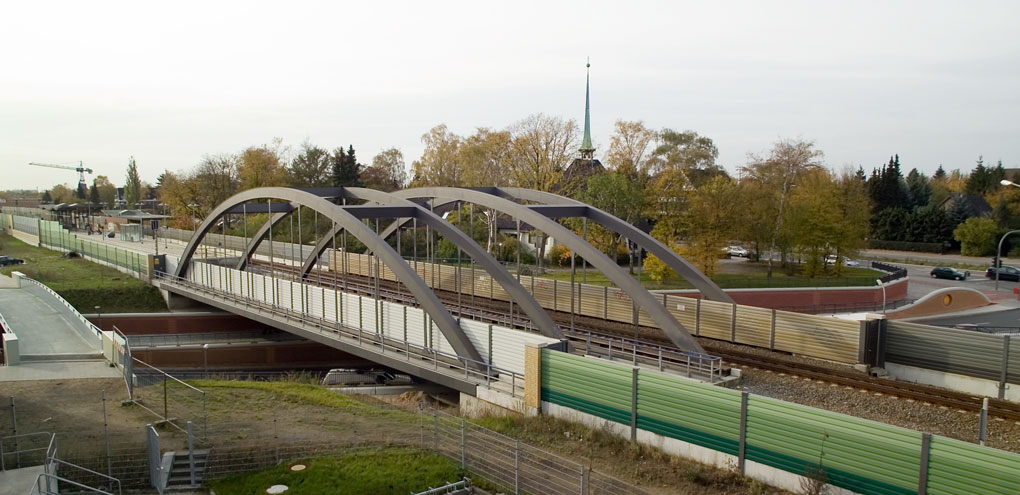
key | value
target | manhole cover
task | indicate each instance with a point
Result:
(276, 489)
(298, 467)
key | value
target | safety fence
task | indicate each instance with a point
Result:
(53, 236)
(859, 455)
(510, 465)
(289, 430)
(167, 397)
(811, 335)
(374, 319)
(33, 213)
(953, 350)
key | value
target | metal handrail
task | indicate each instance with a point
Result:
(426, 353)
(87, 470)
(627, 347)
(448, 488)
(41, 491)
(157, 340)
(50, 448)
(196, 389)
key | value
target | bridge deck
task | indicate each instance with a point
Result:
(44, 326)
(386, 351)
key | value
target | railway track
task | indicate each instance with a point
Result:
(591, 331)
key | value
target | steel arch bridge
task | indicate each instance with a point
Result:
(424, 207)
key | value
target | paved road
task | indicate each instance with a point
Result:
(1007, 319)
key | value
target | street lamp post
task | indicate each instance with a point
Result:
(100, 317)
(998, 251)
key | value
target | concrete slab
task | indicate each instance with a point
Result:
(43, 325)
(19, 481)
(57, 370)
(8, 282)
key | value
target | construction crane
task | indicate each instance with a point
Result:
(82, 185)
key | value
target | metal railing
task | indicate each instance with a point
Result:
(50, 475)
(49, 449)
(472, 370)
(893, 272)
(182, 339)
(461, 486)
(158, 376)
(42, 486)
(622, 348)
(6, 329)
(85, 321)
(514, 467)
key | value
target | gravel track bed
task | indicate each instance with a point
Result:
(906, 413)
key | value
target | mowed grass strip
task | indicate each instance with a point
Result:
(382, 471)
(82, 283)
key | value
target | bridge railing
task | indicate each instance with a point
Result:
(472, 370)
(93, 330)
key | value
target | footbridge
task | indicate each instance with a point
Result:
(353, 241)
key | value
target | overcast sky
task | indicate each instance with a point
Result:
(935, 81)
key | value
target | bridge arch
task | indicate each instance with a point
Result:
(532, 215)
(429, 302)
(554, 206)
(409, 210)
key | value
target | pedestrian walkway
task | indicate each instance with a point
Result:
(44, 326)
(53, 343)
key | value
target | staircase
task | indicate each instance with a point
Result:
(179, 478)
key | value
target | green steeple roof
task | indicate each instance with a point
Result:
(587, 149)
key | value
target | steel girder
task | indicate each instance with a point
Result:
(401, 208)
(261, 235)
(638, 294)
(428, 300)
(554, 206)
(708, 289)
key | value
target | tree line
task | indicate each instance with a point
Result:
(782, 204)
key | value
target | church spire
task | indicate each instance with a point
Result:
(587, 150)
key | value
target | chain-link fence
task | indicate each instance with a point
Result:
(248, 426)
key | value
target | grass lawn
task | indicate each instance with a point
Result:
(851, 277)
(83, 283)
(379, 471)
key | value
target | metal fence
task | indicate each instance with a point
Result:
(171, 400)
(508, 464)
(54, 236)
(816, 336)
(893, 272)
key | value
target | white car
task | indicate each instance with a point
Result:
(736, 251)
(831, 259)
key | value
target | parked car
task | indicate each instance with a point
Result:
(1005, 273)
(736, 251)
(831, 260)
(949, 272)
(7, 260)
